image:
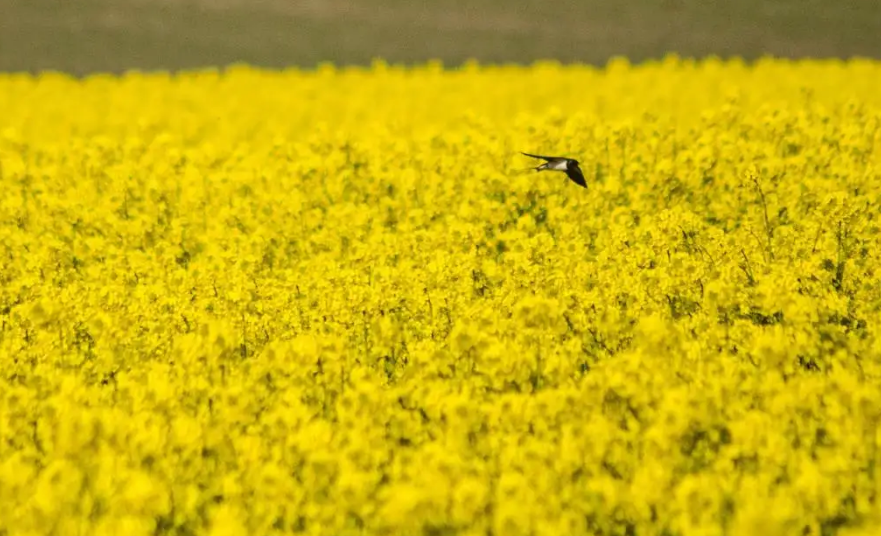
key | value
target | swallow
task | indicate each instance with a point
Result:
(561, 163)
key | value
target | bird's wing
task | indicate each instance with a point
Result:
(548, 158)
(577, 177)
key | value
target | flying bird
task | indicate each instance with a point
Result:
(561, 163)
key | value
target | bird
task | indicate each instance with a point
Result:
(561, 163)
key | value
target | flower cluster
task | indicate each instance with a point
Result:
(329, 302)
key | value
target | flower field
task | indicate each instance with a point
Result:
(331, 302)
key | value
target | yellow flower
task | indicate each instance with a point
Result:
(327, 302)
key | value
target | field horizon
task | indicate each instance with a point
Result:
(117, 35)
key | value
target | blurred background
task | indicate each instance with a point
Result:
(85, 36)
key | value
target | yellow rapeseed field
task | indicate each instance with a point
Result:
(328, 302)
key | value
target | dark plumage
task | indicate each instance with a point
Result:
(561, 163)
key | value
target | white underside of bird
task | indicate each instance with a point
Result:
(557, 166)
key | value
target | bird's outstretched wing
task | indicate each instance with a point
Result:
(577, 177)
(548, 158)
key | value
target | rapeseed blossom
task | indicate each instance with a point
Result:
(327, 302)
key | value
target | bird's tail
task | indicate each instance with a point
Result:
(536, 168)
(525, 171)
